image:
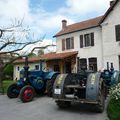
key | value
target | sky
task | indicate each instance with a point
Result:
(44, 16)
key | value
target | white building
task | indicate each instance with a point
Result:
(97, 40)
(89, 44)
(34, 64)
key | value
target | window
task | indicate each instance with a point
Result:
(68, 43)
(83, 64)
(117, 31)
(87, 40)
(18, 68)
(63, 44)
(36, 67)
(93, 64)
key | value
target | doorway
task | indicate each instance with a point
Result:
(68, 67)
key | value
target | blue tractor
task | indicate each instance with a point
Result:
(32, 82)
(110, 76)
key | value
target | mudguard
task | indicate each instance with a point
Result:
(59, 86)
(92, 87)
(49, 75)
(115, 78)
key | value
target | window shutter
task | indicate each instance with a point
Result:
(81, 41)
(72, 42)
(117, 30)
(63, 44)
(92, 39)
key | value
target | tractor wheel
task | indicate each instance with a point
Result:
(49, 85)
(27, 93)
(13, 91)
(101, 99)
(63, 104)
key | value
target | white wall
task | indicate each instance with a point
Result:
(87, 52)
(16, 73)
(111, 48)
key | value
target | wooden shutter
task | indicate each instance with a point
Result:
(72, 42)
(63, 44)
(117, 30)
(81, 41)
(92, 39)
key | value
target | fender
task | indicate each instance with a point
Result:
(92, 87)
(49, 75)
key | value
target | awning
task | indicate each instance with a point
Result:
(58, 56)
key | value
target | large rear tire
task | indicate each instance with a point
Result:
(63, 104)
(49, 85)
(101, 99)
(13, 91)
(27, 93)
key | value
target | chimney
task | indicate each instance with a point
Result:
(64, 24)
(112, 2)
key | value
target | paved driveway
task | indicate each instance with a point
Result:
(44, 108)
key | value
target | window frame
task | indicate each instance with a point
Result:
(87, 40)
(117, 32)
(69, 43)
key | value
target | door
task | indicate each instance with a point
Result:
(67, 67)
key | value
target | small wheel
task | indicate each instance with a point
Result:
(13, 91)
(27, 93)
(63, 104)
(49, 85)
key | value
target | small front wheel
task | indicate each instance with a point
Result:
(27, 93)
(13, 91)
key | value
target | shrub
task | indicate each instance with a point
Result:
(113, 108)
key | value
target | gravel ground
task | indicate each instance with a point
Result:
(44, 108)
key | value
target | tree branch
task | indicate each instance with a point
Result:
(44, 47)
(18, 49)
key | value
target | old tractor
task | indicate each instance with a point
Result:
(84, 87)
(30, 83)
(110, 76)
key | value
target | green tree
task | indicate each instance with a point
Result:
(8, 71)
(40, 52)
(31, 55)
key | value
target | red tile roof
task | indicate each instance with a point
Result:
(80, 26)
(86, 24)
(34, 59)
(56, 56)
(49, 56)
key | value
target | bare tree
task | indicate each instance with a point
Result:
(14, 39)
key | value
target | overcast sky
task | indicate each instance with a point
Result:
(44, 16)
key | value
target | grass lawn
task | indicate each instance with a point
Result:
(113, 110)
(6, 84)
